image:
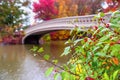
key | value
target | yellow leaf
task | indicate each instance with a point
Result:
(78, 69)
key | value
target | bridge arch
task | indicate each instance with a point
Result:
(32, 34)
(33, 37)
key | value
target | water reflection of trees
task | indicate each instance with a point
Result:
(55, 49)
(17, 63)
(11, 57)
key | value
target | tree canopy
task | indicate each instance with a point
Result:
(11, 16)
(11, 13)
(45, 9)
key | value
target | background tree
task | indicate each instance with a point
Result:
(88, 6)
(10, 15)
(111, 5)
(49, 9)
(67, 8)
(45, 9)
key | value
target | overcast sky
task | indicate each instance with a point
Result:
(30, 13)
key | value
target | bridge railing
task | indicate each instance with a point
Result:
(80, 21)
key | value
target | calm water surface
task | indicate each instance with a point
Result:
(18, 63)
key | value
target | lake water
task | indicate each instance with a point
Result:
(17, 62)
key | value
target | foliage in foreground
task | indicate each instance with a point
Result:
(94, 56)
(97, 55)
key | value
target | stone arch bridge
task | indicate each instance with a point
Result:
(33, 34)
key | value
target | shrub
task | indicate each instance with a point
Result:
(95, 54)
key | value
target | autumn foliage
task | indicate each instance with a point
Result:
(50, 9)
(11, 19)
(67, 8)
(45, 9)
(112, 5)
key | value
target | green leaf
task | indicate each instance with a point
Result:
(76, 41)
(106, 77)
(96, 48)
(104, 38)
(46, 57)
(106, 47)
(86, 45)
(65, 67)
(49, 71)
(103, 30)
(68, 41)
(79, 49)
(115, 74)
(66, 51)
(100, 54)
(115, 50)
(96, 31)
(56, 76)
(99, 43)
(34, 49)
(114, 25)
(94, 64)
(55, 61)
(114, 13)
(111, 77)
(40, 50)
(115, 20)
(101, 14)
(65, 76)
